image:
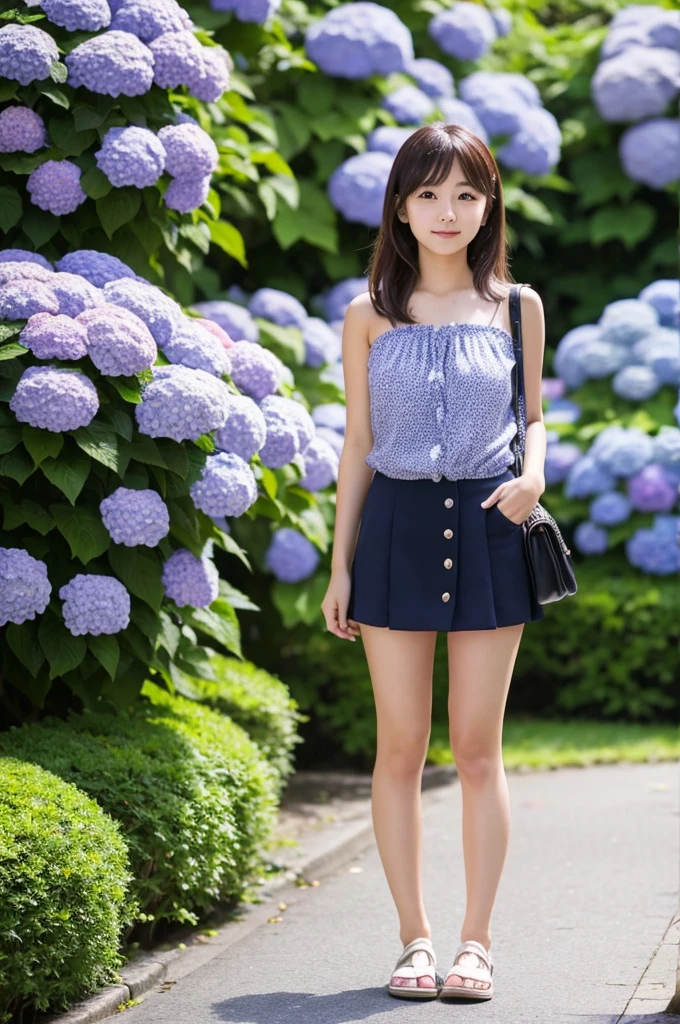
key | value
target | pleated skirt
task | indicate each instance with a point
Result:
(429, 557)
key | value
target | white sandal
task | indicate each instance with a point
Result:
(417, 960)
(476, 973)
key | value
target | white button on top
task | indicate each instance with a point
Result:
(446, 596)
(437, 477)
(448, 502)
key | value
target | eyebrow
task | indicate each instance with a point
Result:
(468, 183)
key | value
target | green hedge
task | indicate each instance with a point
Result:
(64, 891)
(193, 795)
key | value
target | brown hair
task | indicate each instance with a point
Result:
(425, 158)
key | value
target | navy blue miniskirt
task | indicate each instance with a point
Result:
(429, 557)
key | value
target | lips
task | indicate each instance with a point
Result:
(446, 234)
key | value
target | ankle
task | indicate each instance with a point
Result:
(485, 940)
(409, 936)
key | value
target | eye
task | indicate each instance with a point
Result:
(430, 193)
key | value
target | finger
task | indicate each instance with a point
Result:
(491, 499)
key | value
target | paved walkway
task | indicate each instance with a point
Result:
(589, 888)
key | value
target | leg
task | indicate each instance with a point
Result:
(481, 663)
(400, 663)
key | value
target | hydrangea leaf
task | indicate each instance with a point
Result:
(83, 529)
(140, 571)
(106, 650)
(68, 474)
(41, 444)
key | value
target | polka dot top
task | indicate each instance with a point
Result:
(441, 401)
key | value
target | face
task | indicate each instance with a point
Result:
(452, 206)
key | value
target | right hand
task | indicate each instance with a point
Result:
(334, 606)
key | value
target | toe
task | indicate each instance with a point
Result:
(426, 981)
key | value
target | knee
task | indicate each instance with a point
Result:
(475, 763)
(403, 756)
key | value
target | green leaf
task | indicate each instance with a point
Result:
(121, 423)
(144, 449)
(10, 330)
(58, 96)
(58, 72)
(170, 634)
(229, 239)
(100, 443)
(106, 650)
(9, 438)
(10, 207)
(16, 465)
(41, 444)
(23, 642)
(118, 208)
(174, 455)
(129, 392)
(39, 226)
(12, 351)
(631, 224)
(8, 90)
(218, 621)
(68, 474)
(83, 529)
(63, 651)
(85, 117)
(140, 572)
(28, 512)
(65, 136)
(95, 183)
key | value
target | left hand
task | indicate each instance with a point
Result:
(516, 498)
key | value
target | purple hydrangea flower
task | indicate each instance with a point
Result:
(254, 11)
(341, 294)
(590, 539)
(77, 15)
(625, 321)
(148, 19)
(622, 450)
(322, 344)
(178, 59)
(135, 517)
(24, 586)
(187, 194)
(432, 77)
(54, 337)
(227, 486)
(535, 146)
(21, 130)
(587, 477)
(21, 298)
(335, 440)
(638, 83)
(114, 63)
(653, 489)
(610, 508)
(189, 580)
(475, 86)
(330, 414)
(278, 306)
(291, 557)
(26, 53)
(666, 447)
(182, 404)
(96, 267)
(562, 410)
(245, 431)
(118, 345)
(95, 604)
(663, 296)
(559, 458)
(638, 24)
(502, 19)
(466, 31)
(653, 552)
(18, 270)
(356, 188)
(55, 399)
(458, 112)
(232, 318)
(74, 293)
(131, 156)
(161, 314)
(552, 387)
(387, 138)
(291, 409)
(24, 256)
(55, 186)
(214, 76)
(282, 443)
(254, 369)
(193, 346)
(497, 102)
(408, 104)
(359, 39)
(650, 152)
(190, 152)
(636, 383)
(321, 465)
(660, 351)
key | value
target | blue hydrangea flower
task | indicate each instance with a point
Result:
(637, 25)
(278, 306)
(610, 508)
(559, 458)
(356, 188)
(622, 450)
(227, 486)
(322, 344)
(148, 19)
(666, 446)
(95, 605)
(114, 63)
(587, 477)
(625, 321)
(214, 77)
(24, 586)
(55, 186)
(282, 442)
(535, 146)
(359, 39)
(292, 410)
(432, 77)
(212, 328)
(161, 314)
(636, 383)
(178, 60)
(590, 539)
(335, 440)
(387, 138)
(330, 414)
(189, 580)
(135, 517)
(96, 267)
(22, 297)
(291, 557)
(191, 345)
(187, 194)
(26, 53)
(131, 156)
(232, 318)
(552, 387)
(653, 489)
(78, 15)
(466, 31)
(408, 104)
(54, 337)
(660, 351)
(190, 152)
(499, 99)
(663, 296)
(118, 345)
(458, 112)
(650, 152)
(502, 19)
(321, 465)
(182, 404)
(24, 270)
(650, 551)
(245, 431)
(254, 369)
(55, 399)
(254, 11)
(74, 293)
(562, 410)
(21, 130)
(638, 83)
(24, 256)
(341, 294)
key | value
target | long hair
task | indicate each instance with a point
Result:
(425, 158)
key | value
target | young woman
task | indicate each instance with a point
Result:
(425, 492)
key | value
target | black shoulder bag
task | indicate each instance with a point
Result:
(552, 574)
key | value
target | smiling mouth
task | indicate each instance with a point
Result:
(446, 233)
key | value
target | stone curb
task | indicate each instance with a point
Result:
(334, 847)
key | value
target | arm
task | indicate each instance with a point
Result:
(533, 347)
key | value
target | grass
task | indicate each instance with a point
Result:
(537, 743)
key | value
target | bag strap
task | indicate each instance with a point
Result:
(517, 373)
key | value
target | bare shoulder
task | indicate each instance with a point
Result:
(530, 300)
(361, 318)
(533, 319)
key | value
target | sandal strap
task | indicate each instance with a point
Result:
(472, 946)
(420, 944)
